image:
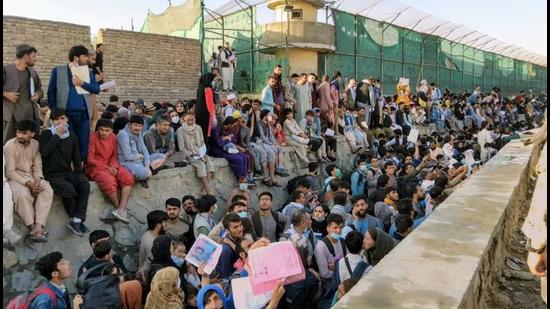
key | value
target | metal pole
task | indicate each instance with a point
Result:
(287, 47)
(251, 88)
(382, 55)
(356, 47)
(202, 37)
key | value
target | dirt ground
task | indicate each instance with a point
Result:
(512, 292)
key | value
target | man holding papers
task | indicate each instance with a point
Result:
(71, 88)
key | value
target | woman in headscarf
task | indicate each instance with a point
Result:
(165, 290)
(377, 245)
(205, 108)
(223, 145)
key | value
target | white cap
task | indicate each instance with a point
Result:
(231, 96)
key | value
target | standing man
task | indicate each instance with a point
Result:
(63, 94)
(227, 67)
(98, 66)
(22, 89)
(267, 222)
(32, 195)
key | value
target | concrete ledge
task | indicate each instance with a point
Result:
(438, 265)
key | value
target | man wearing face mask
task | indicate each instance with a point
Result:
(235, 230)
(327, 253)
(204, 221)
(63, 94)
(239, 207)
(176, 228)
(359, 178)
(301, 225)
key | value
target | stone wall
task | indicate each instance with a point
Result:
(149, 66)
(19, 274)
(454, 258)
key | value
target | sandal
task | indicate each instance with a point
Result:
(39, 237)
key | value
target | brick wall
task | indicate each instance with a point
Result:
(149, 66)
(52, 40)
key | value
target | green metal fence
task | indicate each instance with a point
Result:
(365, 47)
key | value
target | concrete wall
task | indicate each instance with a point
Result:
(149, 66)
(450, 260)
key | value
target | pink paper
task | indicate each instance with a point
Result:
(270, 264)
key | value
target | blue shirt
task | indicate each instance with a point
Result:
(226, 261)
(363, 225)
(75, 101)
(416, 223)
(358, 183)
(267, 99)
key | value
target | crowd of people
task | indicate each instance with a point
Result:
(342, 224)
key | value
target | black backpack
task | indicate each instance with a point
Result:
(101, 291)
(293, 183)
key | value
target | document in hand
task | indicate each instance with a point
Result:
(244, 297)
(204, 250)
(82, 72)
(413, 136)
(270, 264)
(107, 85)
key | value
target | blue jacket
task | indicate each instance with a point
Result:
(358, 183)
(130, 146)
(44, 301)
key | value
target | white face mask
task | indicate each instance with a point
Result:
(243, 186)
(175, 119)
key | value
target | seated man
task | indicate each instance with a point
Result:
(160, 141)
(59, 150)
(96, 237)
(190, 142)
(32, 195)
(103, 168)
(133, 154)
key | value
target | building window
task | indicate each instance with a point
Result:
(297, 14)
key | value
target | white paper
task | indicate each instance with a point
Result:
(32, 86)
(329, 132)
(82, 72)
(413, 136)
(243, 296)
(364, 124)
(204, 250)
(107, 85)
(202, 151)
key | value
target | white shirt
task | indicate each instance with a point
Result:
(354, 260)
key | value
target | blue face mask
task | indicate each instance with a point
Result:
(177, 260)
(335, 236)
(307, 232)
(243, 214)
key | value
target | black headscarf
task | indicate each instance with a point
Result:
(161, 250)
(383, 244)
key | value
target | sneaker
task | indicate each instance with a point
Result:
(120, 216)
(332, 158)
(282, 173)
(83, 228)
(75, 228)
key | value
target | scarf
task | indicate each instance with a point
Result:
(165, 292)
(53, 129)
(192, 140)
(383, 244)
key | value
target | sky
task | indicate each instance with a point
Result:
(517, 22)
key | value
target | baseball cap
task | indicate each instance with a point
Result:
(140, 102)
(316, 110)
(231, 96)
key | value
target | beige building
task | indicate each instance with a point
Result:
(297, 20)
